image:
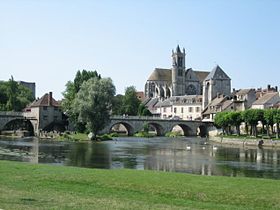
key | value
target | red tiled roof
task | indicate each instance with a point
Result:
(44, 101)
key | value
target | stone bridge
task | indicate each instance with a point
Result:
(134, 124)
(11, 117)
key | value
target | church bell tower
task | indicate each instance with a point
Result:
(178, 72)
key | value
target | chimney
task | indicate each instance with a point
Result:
(276, 88)
(50, 99)
(268, 87)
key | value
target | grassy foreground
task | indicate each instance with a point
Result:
(28, 186)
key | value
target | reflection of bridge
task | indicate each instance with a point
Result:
(134, 124)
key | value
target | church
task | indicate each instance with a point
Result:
(178, 82)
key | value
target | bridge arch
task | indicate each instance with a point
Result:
(202, 131)
(187, 131)
(19, 124)
(158, 128)
(129, 128)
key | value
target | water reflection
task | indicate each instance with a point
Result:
(178, 155)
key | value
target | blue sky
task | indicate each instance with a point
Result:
(47, 41)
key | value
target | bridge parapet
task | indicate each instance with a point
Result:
(149, 118)
(11, 114)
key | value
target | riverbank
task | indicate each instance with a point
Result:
(245, 141)
(28, 186)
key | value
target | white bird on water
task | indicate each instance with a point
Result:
(215, 147)
(188, 147)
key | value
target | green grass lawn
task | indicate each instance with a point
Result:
(29, 186)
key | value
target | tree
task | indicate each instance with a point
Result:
(72, 88)
(93, 103)
(276, 119)
(117, 108)
(235, 119)
(221, 120)
(143, 111)
(252, 117)
(14, 96)
(130, 101)
(268, 118)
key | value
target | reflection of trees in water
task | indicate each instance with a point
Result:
(249, 162)
(90, 155)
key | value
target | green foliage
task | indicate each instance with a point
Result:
(221, 120)
(146, 127)
(173, 134)
(130, 101)
(144, 134)
(93, 103)
(72, 88)
(143, 111)
(114, 135)
(117, 108)
(127, 104)
(14, 96)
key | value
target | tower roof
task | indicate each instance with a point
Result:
(178, 50)
(217, 73)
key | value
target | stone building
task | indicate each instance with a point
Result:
(268, 100)
(46, 114)
(177, 81)
(181, 107)
(163, 84)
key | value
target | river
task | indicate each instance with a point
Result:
(186, 155)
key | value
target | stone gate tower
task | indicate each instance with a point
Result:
(178, 72)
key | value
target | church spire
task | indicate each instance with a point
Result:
(178, 50)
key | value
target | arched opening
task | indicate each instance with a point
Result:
(168, 92)
(161, 92)
(202, 131)
(183, 129)
(22, 127)
(206, 94)
(122, 128)
(156, 129)
(157, 92)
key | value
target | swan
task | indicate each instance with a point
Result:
(188, 147)
(215, 147)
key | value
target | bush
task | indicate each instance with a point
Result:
(114, 135)
(173, 134)
(143, 134)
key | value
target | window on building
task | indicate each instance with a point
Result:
(55, 117)
(55, 108)
(197, 109)
(190, 109)
(182, 110)
(45, 117)
(175, 110)
(164, 109)
(180, 61)
(45, 108)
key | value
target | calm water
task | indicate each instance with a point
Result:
(187, 155)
